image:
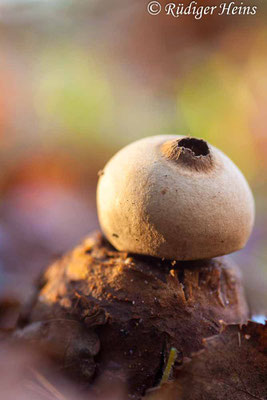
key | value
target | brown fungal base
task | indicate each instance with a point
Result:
(120, 314)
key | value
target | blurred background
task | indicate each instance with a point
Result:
(81, 79)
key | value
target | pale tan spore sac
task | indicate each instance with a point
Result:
(174, 197)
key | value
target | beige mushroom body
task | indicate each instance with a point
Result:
(174, 197)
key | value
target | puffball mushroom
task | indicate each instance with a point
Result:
(174, 197)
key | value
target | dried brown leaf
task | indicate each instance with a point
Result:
(232, 366)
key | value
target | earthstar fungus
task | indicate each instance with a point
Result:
(168, 204)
